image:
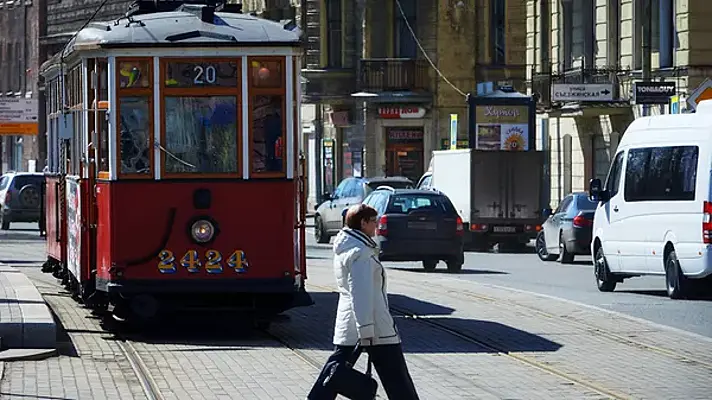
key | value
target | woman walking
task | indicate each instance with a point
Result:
(362, 316)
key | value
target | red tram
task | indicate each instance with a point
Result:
(176, 173)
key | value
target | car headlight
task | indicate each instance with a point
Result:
(202, 231)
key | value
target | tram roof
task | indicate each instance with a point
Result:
(182, 24)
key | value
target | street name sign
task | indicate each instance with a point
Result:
(18, 116)
(653, 92)
(582, 92)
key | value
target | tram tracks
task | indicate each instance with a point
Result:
(500, 350)
(685, 358)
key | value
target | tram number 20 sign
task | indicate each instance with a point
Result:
(185, 74)
(212, 262)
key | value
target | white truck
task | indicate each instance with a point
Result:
(498, 194)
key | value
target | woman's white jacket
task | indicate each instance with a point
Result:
(363, 302)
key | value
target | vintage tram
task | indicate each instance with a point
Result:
(176, 171)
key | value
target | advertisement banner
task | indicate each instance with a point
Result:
(74, 228)
(501, 127)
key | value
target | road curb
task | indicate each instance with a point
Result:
(25, 319)
(26, 355)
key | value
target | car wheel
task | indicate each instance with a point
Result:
(675, 280)
(320, 231)
(605, 281)
(541, 248)
(30, 197)
(565, 257)
(454, 266)
(430, 265)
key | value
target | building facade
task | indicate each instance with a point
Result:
(385, 76)
(587, 59)
(19, 65)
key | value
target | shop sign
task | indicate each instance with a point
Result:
(461, 144)
(502, 127)
(402, 112)
(405, 134)
(653, 92)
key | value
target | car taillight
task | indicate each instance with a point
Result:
(382, 229)
(707, 222)
(581, 221)
(460, 229)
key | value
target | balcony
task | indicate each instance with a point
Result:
(511, 74)
(394, 75)
(328, 84)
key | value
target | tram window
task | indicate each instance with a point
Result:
(201, 135)
(135, 134)
(268, 145)
(266, 74)
(134, 74)
(103, 124)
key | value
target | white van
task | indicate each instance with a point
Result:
(655, 210)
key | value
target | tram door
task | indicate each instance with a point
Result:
(404, 152)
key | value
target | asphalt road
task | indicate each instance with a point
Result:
(643, 297)
(639, 297)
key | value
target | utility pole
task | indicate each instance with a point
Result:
(647, 42)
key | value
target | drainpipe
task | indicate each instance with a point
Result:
(647, 36)
(558, 157)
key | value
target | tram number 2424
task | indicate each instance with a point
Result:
(191, 261)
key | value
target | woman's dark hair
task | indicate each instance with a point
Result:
(358, 213)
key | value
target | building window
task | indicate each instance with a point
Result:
(497, 23)
(579, 34)
(614, 32)
(335, 33)
(663, 31)
(405, 45)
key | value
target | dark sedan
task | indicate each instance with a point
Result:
(418, 225)
(568, 230)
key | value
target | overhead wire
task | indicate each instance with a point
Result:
(425, 54)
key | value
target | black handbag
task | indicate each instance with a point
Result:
(343, 379)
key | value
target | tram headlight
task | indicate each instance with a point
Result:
(202, 231)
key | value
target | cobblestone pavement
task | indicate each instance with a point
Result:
(470, 341)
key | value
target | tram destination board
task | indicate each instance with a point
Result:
(187, 74)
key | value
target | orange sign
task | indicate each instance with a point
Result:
(705, 95)
(18, 128)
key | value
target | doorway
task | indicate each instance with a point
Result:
(404, 152)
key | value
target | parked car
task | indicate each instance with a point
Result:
(20, 198)
(418, 225)
(328, 218)
(654, 214)
(568, 230)
(425, 181)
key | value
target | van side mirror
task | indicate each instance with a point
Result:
(596, 192)
(546, 213)
(326, 197)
